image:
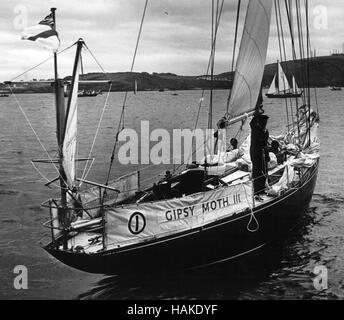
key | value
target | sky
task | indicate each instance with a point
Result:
(176, 35)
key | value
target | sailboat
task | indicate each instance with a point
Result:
(280, 87)
(203, 215)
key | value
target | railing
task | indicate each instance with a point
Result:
(89, 206)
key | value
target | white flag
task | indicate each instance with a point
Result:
(44, 34)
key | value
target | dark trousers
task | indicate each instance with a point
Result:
(259, 170)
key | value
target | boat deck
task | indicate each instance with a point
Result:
(92, 242)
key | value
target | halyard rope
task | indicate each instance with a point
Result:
(253, 217)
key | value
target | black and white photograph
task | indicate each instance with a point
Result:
(184, 152)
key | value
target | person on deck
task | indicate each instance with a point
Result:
(280, 154)
(221, 126)
(259, 152)
(234, 144)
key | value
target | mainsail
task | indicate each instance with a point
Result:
(252, 57)
(283, 83)
(273, 87)
(69, 142)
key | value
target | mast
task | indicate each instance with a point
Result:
(53, 10)
(60, 110)
(210, 111)
(70, 122)
(278, 77)
(60, 117)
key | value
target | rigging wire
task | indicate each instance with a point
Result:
(236, 35)
(291, 30)
(41, 63)
(302, 52)
(94, 58)
(209, 64)
(85, 170)
(121, 121)
(29, 122)
(210, 61)
(308, 70)
(210, 113)
(280, 40)
(46, 178)
(286, 65)
(35, 133)
(85, 173)
(234, 50)
(301, 47)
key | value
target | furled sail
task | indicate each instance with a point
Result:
(252, 57)
(69, 142)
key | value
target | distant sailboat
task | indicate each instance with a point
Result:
(280, 87)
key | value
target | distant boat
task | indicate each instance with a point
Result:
(87, 93)
(82, 93)
(161, 90)
(335, 88)
(280, 87)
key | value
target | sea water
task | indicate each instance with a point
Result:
(285, 272)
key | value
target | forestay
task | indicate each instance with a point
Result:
(252, 57)
(133, 223)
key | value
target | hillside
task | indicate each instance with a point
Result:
(324, 71)
(125, 81)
